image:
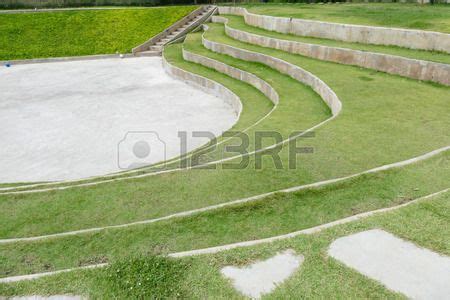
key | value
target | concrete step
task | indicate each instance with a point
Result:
(155, 48)
(149, 53)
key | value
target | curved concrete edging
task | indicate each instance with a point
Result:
(234, 202)
(303, 133)
(222, 248)
(295, 72)
(307, 231)
(39, 275)
(233, 72)
(392, 64)
(407, 38)
(207, 85)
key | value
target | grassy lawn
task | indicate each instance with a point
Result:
(319, 276)
(414, 16)
(385, 119)
(72, 33)
(238, 22)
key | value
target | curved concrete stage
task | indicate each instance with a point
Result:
(78, 119)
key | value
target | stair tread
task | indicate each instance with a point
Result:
(149, 53)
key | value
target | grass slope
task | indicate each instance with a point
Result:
(414, 16)
(88, 32)
(319, 277)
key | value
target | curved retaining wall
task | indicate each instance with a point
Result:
(299, 74)
(207, 85)
(412, 68)
(415, 39)
(236, 73)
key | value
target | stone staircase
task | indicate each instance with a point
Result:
(155, 45)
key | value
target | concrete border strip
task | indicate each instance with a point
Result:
(407, 38)
(233, 202)
(222, 248)
(39, 10)
(64, 59)
(392, 64)
(39, 275)
(307, 231)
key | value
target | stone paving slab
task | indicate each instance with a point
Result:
(400, 265)
(263, 277)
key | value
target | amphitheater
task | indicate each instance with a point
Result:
(364, 213)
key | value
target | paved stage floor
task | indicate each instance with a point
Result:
(70, 120)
